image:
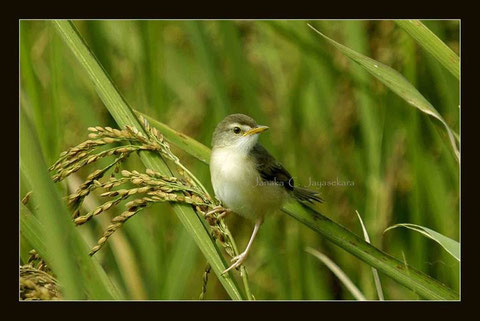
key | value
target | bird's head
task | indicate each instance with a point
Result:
(237, 130)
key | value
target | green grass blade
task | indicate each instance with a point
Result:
(357, 294)
(376, 278)
(451, 246)
(395, 269)
(32, 230)
(123, 115)
(431, 43)
(61, 244)
(196, 149)
(397, 83)
(421, 283)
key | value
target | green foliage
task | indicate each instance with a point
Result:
(330, 121)
(80, 276)
(397, 83)
(451, 246)
(316, 221)
(376, 278)
(357, 294)
(124, 116)
(434, 45)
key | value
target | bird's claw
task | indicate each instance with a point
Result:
(219, 209)
(238, 260)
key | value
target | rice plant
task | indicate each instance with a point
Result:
(122, 113)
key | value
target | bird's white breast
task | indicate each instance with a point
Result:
(238, 185)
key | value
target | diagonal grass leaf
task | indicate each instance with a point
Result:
(338, 273)
(431, 43)
(451, 246)
(397, 83)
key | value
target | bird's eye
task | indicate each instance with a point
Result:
(237, 130)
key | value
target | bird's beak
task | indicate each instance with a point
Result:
(255, 130)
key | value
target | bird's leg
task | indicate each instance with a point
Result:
(239, 259)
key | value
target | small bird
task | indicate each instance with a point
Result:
(246, 178)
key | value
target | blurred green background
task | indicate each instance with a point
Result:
(329, 120)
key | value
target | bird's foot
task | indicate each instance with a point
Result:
(238, 260)
(224, 213)
(219, 209)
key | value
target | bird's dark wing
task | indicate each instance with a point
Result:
(269, 168)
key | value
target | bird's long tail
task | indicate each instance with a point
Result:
(303, 194)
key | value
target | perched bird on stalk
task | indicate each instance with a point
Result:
(246, 178)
